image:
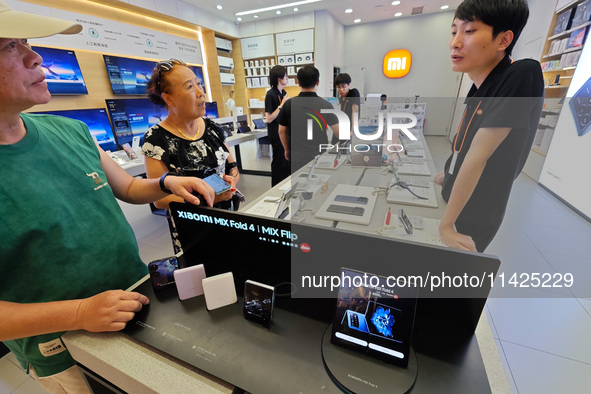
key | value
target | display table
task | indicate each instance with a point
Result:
(135, 367)
(472, 366)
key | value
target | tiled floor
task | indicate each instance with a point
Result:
(543, 336)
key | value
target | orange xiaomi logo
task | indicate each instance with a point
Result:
(397, 63)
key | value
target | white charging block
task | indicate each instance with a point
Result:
(188, 281)
(219, 291)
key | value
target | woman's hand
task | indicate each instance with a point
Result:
(225, 196)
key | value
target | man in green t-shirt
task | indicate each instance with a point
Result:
(64, 242)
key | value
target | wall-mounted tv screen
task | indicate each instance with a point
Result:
(97, 121)
(128, 76)
(198, 70)
(132, 117)
(211, 110)
(62, 71)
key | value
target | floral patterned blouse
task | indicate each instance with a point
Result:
(200, 158)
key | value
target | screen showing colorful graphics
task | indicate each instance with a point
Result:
(133, 117)
(211, 110)
(62, 71)
(128, 76)
(131, 76)
(98, 124)
(198, 70)
(374, 318)
(566, 169)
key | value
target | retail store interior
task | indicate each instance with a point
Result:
(541, 334)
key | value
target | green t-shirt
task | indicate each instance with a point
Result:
(63, 235)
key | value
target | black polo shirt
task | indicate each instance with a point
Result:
(272, 100)
(511, 96)
(294, 115)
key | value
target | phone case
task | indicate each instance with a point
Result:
(189, 281)
(217, 183)
(580, 106)
(219, 291)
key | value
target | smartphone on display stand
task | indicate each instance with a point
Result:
(259, 300)
(162, 272)
(357, 211)
(405, 221)
(352, 199)
(218, 185)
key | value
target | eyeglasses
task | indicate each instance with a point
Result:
(165, 66)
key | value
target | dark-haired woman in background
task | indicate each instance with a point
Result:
(185, 143)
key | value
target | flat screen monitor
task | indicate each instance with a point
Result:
(128, 76)
(198, 70)
(133, 117)
(211, 110)
(98, 124)
(62, 71)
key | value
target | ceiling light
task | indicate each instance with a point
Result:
(295, 9)
(398, 14)
(395, 2)
(239, 19)
(357, 20)
(256, 17)
(219, 7)
(348, 10)
(444, 7)
(276, 7)
(278, 12)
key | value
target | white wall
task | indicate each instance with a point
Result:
(426, 37)
(329, 40)
(279, 24)
(531, 42)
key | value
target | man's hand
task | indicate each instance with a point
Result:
(183, 186)
(453, 239)
(110, 310)
(438, 179)
(286, 153)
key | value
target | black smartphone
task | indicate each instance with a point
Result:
(217, 183)
(351, 199)
(259, 300)
(405, 221)
(580, 106)
(357, 211)
(162, 272)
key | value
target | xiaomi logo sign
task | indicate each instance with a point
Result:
(397, 63)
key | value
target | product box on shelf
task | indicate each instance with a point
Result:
(582, 13)
(577, 38)
(563, 22)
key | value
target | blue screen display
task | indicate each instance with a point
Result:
(131, 76)
(133, 117)
(211, 110)
(97, 121)
(128, 76)
(62, 71)
(198, 70)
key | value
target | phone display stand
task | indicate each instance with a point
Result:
(398, 195)
(354, 372)
(349, 190)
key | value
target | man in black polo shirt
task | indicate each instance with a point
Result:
(502, 113)
(274, 100)
(301, 147)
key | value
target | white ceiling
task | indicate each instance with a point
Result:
(366, 10)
